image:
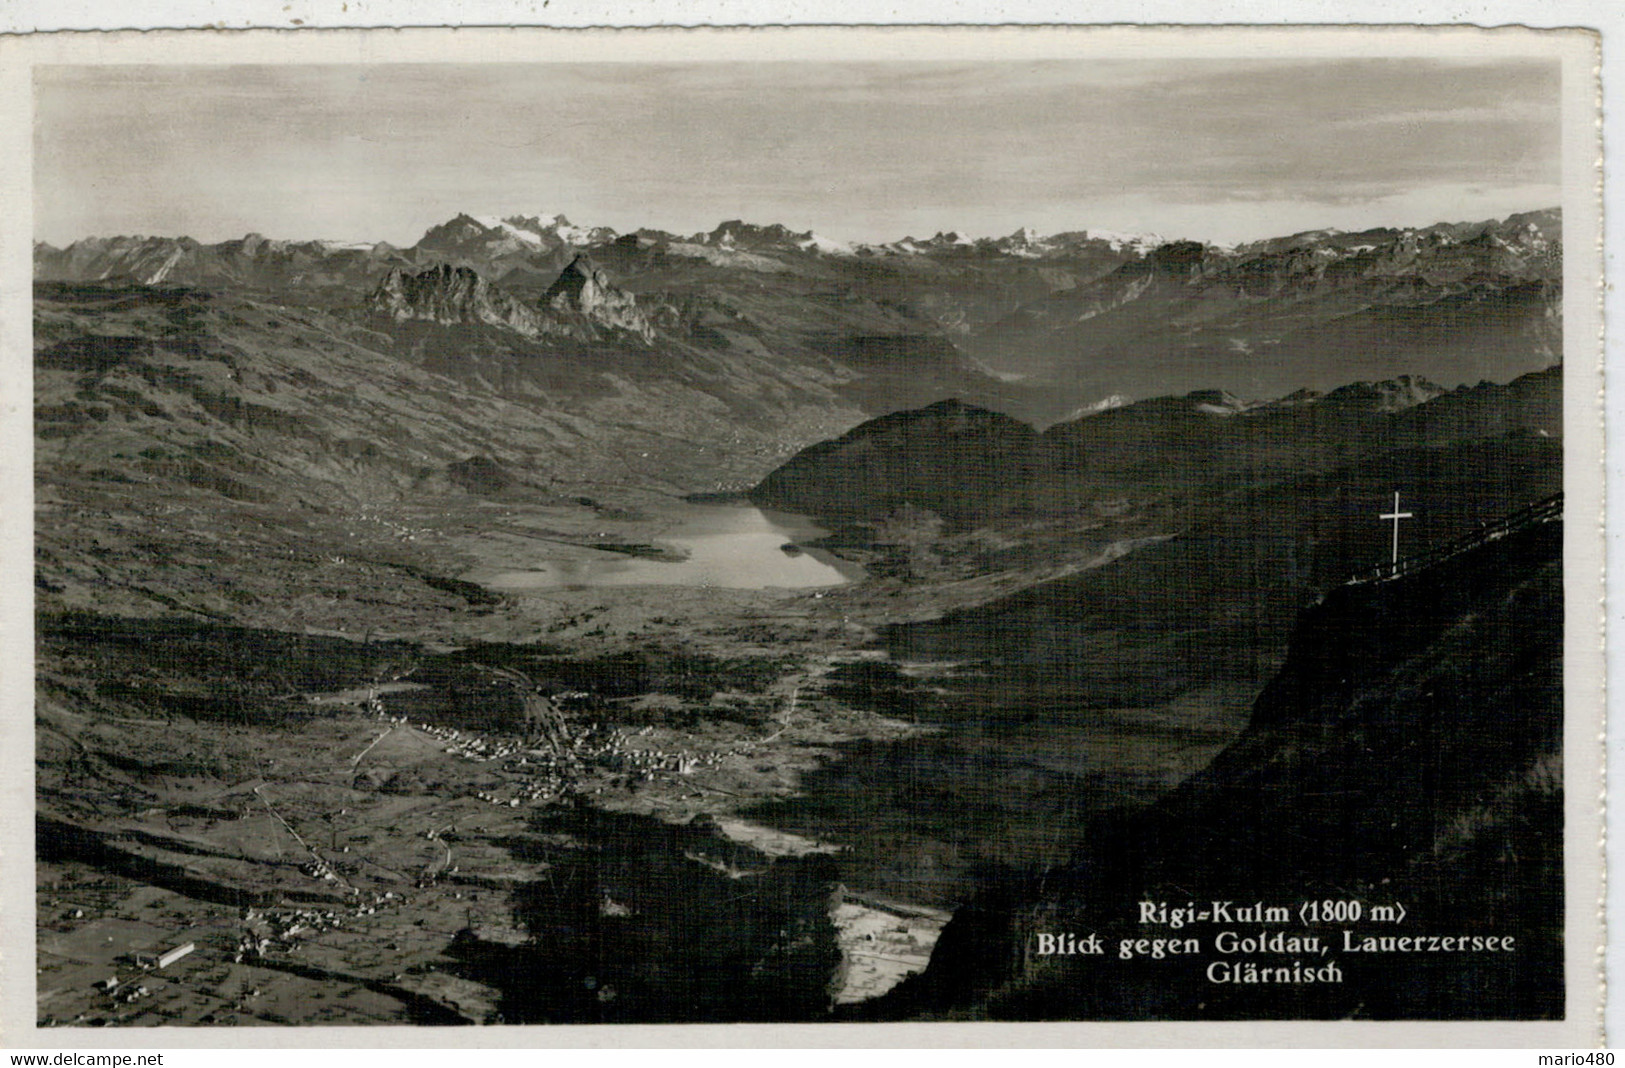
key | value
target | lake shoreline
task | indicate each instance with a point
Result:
(728, 544)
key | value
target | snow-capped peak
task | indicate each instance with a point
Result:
(543, 229)
(1104, 404)
(1122, 240)
(514, 233)
(818, 243)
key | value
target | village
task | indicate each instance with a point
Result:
(341, 881)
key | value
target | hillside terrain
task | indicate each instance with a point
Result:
(1136, 574)
(1409, 750)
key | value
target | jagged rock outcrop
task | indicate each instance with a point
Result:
(582, 302)
(453, 295)
(585, 290)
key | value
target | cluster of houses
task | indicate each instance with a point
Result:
(550, 764)
(280, 930)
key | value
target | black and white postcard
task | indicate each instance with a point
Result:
(532, 531)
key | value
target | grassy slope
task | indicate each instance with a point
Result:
(1409, 750)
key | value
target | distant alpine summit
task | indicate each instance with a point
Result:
(490, 237)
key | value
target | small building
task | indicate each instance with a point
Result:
(176, 954)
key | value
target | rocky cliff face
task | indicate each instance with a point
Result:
(452, 295)
(582, 303)
(585, 290)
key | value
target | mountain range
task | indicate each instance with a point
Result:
(1037, 326)
(970, 464)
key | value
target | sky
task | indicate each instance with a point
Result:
(1219, 150)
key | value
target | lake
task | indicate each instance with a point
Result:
(728, 546)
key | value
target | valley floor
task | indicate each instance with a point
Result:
(366, 788)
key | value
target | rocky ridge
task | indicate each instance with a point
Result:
(581, 303)
(586, 290)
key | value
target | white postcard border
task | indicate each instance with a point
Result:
(1584, 692)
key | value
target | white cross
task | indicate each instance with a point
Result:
(1396, 515)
